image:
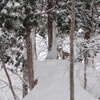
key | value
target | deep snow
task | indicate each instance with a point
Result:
(53, 82)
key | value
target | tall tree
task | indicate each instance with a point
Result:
(17, 20)
(88, 17)
(29, 24)
(72, 50)
(50, 21)
(52, 32)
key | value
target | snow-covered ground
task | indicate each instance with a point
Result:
(5, 92)
(53, 82)
(53, 77)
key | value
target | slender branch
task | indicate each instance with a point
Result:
(48, 10)
(5, 83)
(19, 77)
(9, 80)
(83, 53)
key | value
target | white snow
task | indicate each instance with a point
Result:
(53, 82)
(17, 4)
(5, 92)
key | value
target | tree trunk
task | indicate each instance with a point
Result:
(72, 51)
(28, 70)
(86, 55)
(87, 36)
(92, 18)
(52, 31)
(85, 69)
(35, 51)
(50, 22)
(25, 77)
(52, 54)
(30, 60)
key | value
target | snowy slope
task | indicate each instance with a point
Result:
(53, 82)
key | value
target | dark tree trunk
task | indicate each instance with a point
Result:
(50, 22)
(25, 77)
(85, 69)
(72, 50)
(30, 61)
(86, 55)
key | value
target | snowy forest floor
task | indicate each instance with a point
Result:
(53, 82)
(53, 76)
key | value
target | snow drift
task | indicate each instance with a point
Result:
(53, 82)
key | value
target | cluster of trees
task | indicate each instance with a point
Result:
(21, 20)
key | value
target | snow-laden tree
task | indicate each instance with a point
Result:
(18, 19)
(87, 20)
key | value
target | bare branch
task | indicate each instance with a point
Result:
(19, 77)
(9, 80)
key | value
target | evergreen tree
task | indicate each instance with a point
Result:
(17, 18)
